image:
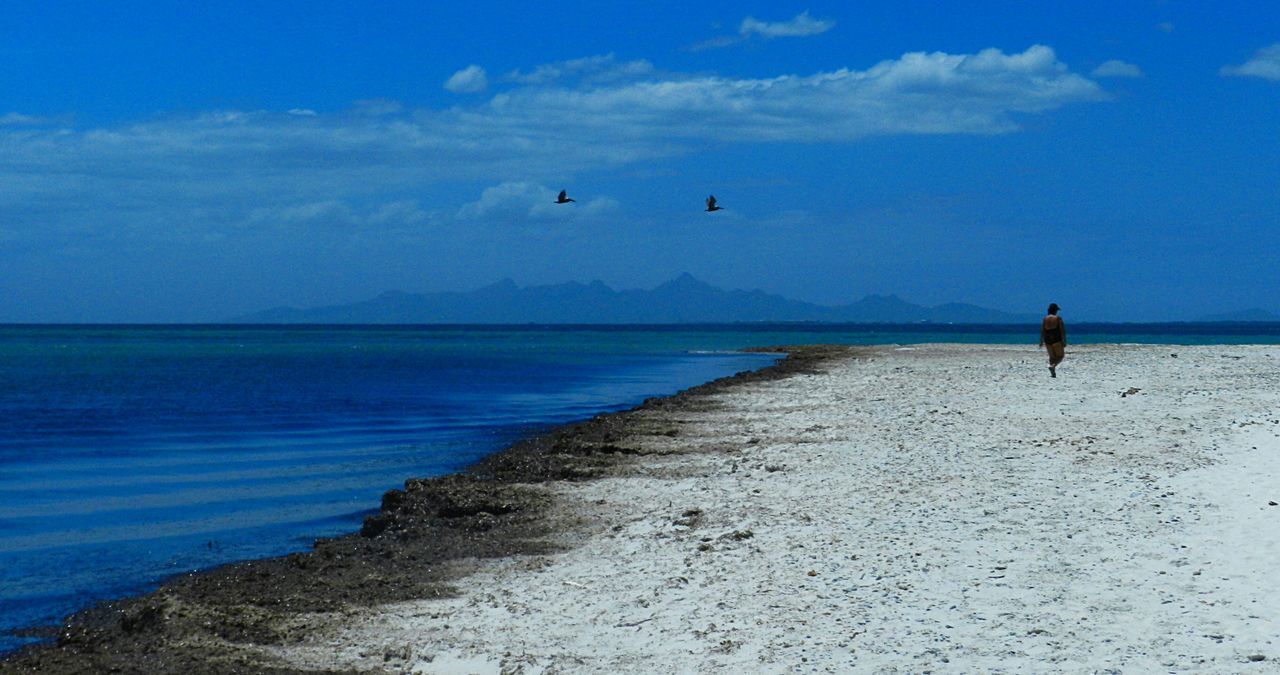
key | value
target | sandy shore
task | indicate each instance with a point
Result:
(938, 508)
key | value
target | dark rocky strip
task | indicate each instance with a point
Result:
(424, 540)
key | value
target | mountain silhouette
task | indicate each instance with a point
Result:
(684, 299)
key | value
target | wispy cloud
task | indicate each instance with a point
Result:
(1265, 64)
(328, 209)
(468, 80)
(14, 119)
(590, 125)
(335, 212)
(602, 68)
(1116, 68)
(378, 107)
(715, 43)
(190, 176)
(801, 25)
(926, 93)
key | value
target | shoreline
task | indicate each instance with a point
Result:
(916, 508)
(425, 537)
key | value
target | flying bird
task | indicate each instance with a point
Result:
(711, 204)
(563, 199)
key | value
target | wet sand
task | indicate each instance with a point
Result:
(944, 508)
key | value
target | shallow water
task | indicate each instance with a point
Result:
(130, 454)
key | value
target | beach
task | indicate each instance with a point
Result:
(945, 508)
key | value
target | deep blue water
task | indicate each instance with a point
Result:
(131, 453)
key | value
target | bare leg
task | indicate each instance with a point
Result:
(1056, 354)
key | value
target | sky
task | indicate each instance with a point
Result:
(174, 162)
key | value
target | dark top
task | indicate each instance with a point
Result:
(1053, 335)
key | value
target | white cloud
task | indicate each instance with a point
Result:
(303, 112)
(802, 25)
(1265, 64)
(468, 80)
(553, 130)
(1165, 27)
(1116, 68)
(600, 68)
(928, 93)
(201, 171)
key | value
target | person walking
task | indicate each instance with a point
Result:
(1053, 337)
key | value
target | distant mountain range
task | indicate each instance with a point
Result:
(681, 300)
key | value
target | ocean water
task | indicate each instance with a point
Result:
(132, 453)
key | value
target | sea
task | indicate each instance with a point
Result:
(129, 454)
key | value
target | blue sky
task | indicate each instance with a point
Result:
(165, 163)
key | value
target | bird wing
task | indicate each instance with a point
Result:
(711, 201)
(562, 194)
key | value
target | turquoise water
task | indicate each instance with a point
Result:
(128, 454)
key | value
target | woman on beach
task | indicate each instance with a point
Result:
(1053, 337)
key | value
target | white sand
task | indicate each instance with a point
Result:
(946, 508)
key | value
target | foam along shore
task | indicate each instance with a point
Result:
(937, 507)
